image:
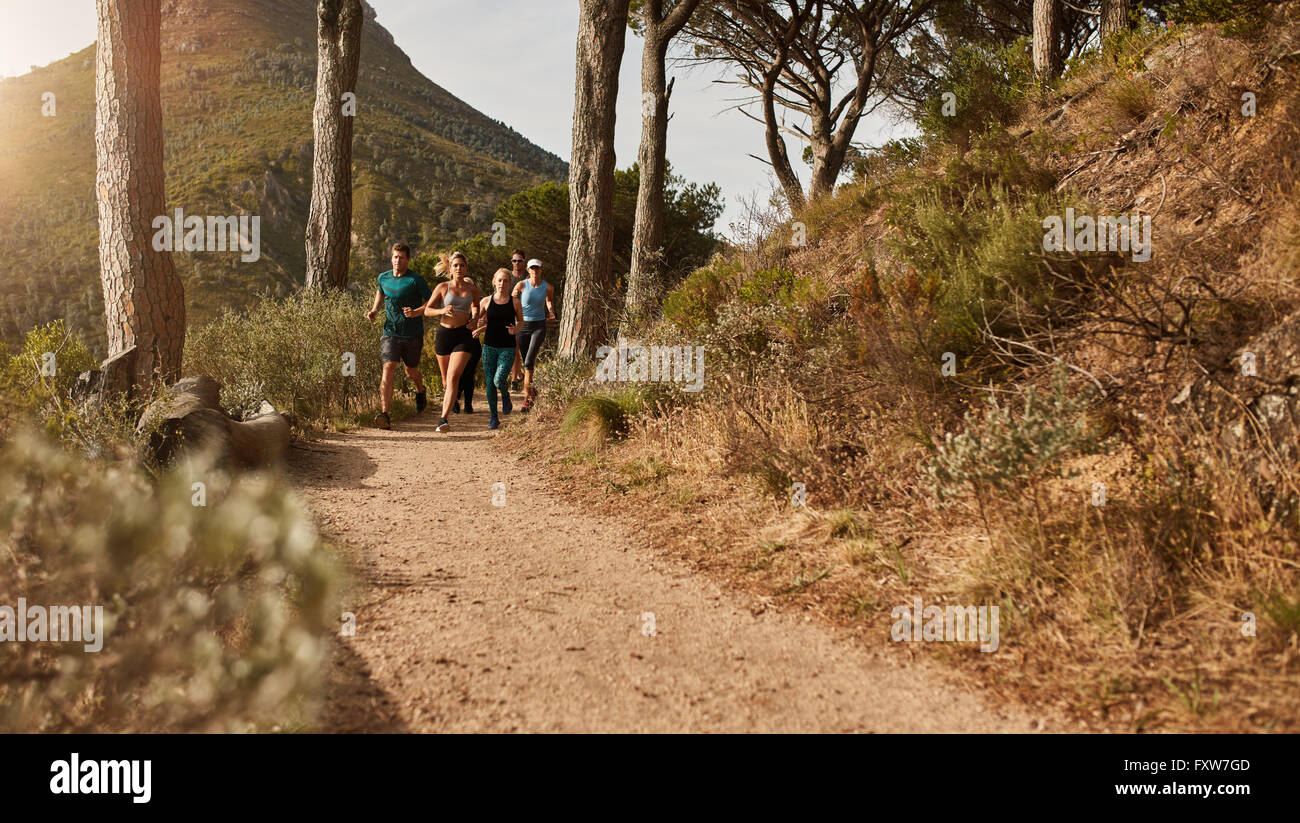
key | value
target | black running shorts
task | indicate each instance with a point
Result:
(453, 340)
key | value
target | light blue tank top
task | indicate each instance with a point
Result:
(533, 299)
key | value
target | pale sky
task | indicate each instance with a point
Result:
(511, 59)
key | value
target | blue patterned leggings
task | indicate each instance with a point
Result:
(496, 368)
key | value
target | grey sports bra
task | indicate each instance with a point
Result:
(460, 303)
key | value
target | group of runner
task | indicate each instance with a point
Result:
(512, 320)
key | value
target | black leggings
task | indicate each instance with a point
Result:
(530, 337)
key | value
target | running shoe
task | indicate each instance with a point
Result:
(515, 384)
(455, 409)
(420, 402)
(382, 421)
(527, 406)
(443, 425)
(469, 405)
(493, 422)
(506, 405)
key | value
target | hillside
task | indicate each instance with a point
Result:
(238, 85)
(925, 401)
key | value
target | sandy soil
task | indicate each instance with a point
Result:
(535, 615)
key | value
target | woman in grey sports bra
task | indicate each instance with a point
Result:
(455, 303)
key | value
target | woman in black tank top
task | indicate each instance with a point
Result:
(499, 314)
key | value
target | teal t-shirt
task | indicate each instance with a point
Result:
(407, 291)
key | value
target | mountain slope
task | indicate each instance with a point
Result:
(238, 85)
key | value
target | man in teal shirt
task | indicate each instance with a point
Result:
(400, 291)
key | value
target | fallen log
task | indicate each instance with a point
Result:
(262, 440)
(189, 420)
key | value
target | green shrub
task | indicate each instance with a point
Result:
(972, 240)
(987, 86)
(1005, 450)
(692, 306)
(214, 616)
(884, 162)
(1216, 11)
(560, 379)
(28, 393)
(291, 352)
(603, 415)
(24, 377)
(768, 286)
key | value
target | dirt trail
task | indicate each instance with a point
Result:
(472, 617)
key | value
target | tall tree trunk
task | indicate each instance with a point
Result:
(831, 147)
(648, 226)
(1114, 17)
(602, 28)
(144, 300)
(776, 151)
(329, 220)
(1047, 36)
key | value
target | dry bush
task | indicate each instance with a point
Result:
(1179, 553)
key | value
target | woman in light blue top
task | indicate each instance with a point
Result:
(534, 300)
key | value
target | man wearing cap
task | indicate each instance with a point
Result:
(534, 299)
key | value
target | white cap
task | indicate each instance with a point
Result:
(534, 262)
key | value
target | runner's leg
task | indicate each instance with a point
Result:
(505, 365)
(455, 367)
(386, 386)
(491, 355)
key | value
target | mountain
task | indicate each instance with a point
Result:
(238, 86)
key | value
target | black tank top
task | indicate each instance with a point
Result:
(498, 317)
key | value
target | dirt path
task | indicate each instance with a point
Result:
(530, 616)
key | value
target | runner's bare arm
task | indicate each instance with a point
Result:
(429, 310)
(513, 328)
(374, 309)
(550, 308)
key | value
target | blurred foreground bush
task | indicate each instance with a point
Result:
(216, 598)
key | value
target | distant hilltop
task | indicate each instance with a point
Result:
(238, 85)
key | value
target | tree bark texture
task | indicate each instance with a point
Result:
(1114, 17)
(1047, 36)
(602, 29)
(329, 218)
(144, 300)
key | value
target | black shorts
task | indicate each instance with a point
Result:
(453, 340)
(404, 349)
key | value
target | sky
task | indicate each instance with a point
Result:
(514, 61)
